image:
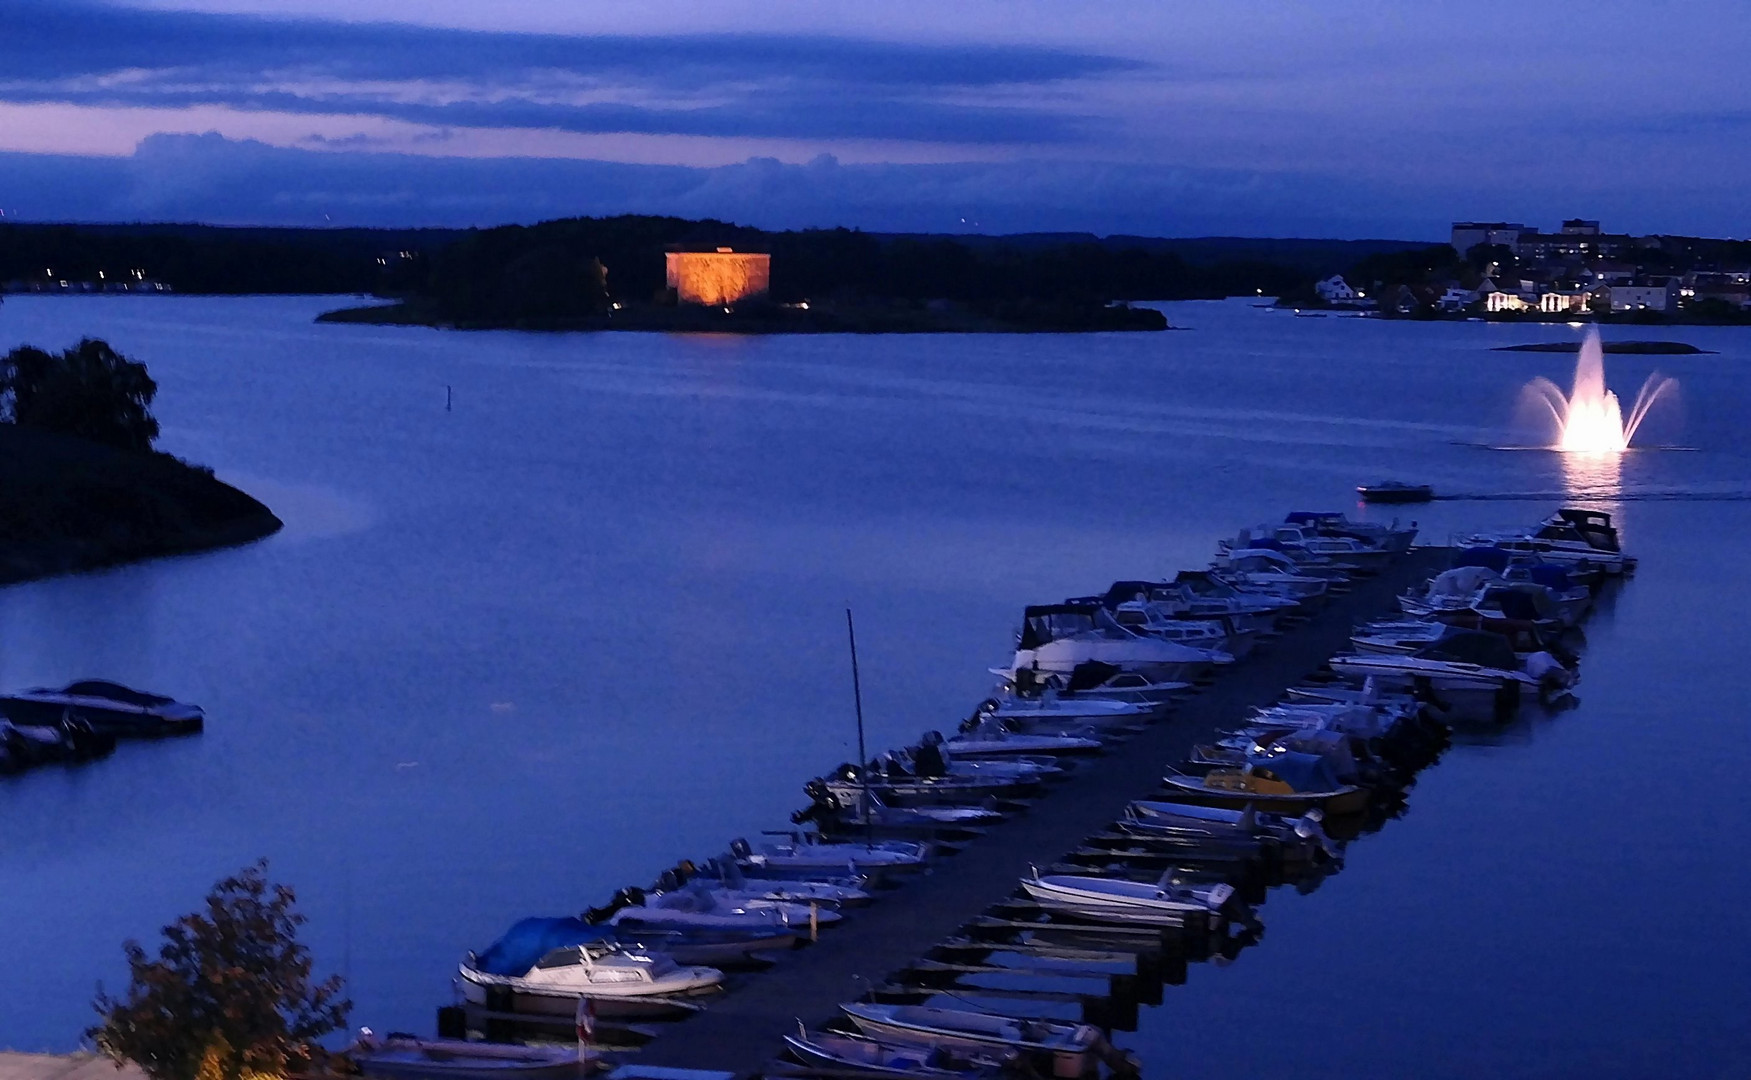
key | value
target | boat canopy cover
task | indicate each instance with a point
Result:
(1303, 772)
(1044, 623)
(1473, 647)
(531, 939)
(1461, 581)
(1090, 674)
(1493, 557)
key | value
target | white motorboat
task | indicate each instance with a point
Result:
(1275, 574)
(1566, 552)
(1011, 767)
(840, 892)
(1397, 636)
(1450, 590)
(839, 1053)
(1462, 661)
(398, 1056)
(1056, 638)
(806, 856)
(1229, 823)
(1341, 551)
(1053, 708)
(866, 810)
(1162, 903)
(697, 905)
(1393, 537)
(1099, 681)
(1072, 1049)
(994, 740)
(618, 981)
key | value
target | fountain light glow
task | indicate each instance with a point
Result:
(1590, 419)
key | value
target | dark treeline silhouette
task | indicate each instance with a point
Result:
(580, 264)
(206, 259)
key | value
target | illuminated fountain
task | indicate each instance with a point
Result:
(1590, 420)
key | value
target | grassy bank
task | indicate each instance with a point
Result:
(68, 505)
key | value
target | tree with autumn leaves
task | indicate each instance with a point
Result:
(230, 994)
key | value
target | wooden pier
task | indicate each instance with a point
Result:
(935, 928)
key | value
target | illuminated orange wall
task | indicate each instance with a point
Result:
(718, 277)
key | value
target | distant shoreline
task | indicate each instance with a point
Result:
(1643, 348)
(776, 319)
(68, 505)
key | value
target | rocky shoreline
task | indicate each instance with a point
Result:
(68, 505)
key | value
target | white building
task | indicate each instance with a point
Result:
(1335, 290)
(1456, 299)
(1658, 295)
(1506, 301)
(1469, 234)
(1563, 301)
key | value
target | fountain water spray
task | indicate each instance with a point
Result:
(1590, 420)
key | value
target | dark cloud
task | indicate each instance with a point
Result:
(212, 179)
(92, 53)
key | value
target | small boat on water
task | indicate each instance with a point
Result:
(867, 812)
(398, 1056)
(995, 740)
(1066, 1048)
(1216, 823)
(805, 855)
(1105, 899)
(1395, 491)
(1290, 784)
(696, 905)
(110, 708)
(620, 982)
(842, 1054)
(1057, 709)
(842, 892)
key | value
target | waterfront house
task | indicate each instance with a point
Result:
(1335, 290)
(1652, 294)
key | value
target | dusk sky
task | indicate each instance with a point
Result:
(1337, 119)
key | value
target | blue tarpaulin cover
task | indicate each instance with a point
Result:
(531, 939)
(1492, 557)
(1303, 772)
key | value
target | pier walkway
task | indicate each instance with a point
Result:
(741, 1031)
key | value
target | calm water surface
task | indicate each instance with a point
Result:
(507, 658)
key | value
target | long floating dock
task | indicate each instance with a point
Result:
(741, 1031)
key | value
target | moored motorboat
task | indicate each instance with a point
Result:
(398, 1056)
(619, 982)
(1068, 1049)
(109, 708)
(845, 1054)
(1395, 491)
(805, 855)
(1291, 784)
(1107, 899)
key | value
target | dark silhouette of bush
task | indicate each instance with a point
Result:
(89, 391)
(230, 994)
